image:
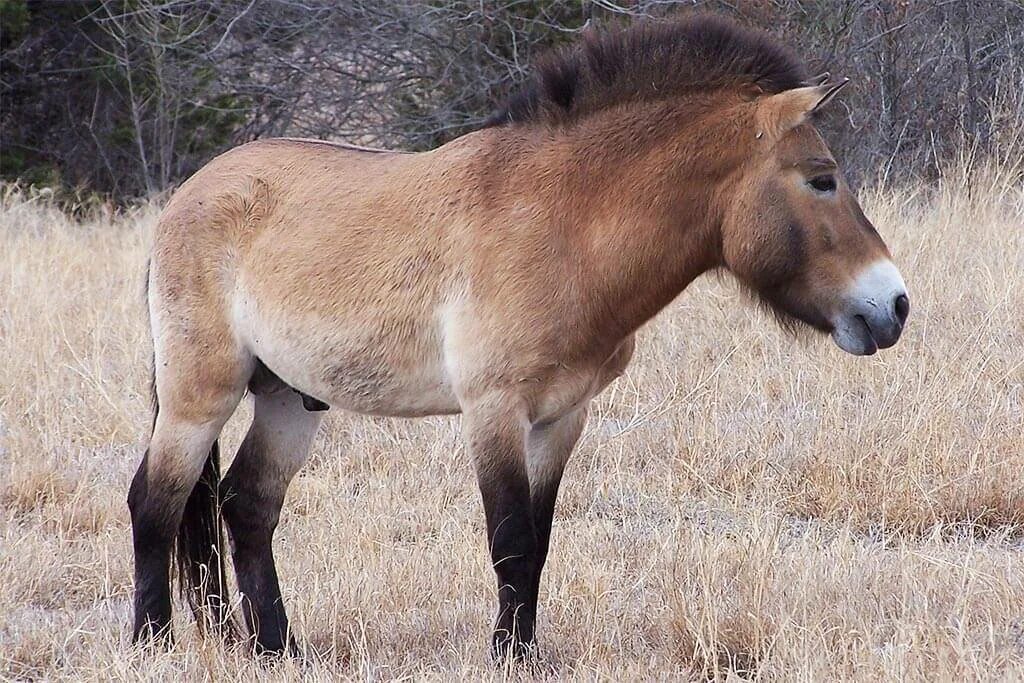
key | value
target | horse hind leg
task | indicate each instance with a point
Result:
(275, 447)
(173, 493)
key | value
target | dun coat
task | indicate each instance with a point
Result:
(501, 276)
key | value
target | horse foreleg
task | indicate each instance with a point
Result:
(548, 450)
(495, 435)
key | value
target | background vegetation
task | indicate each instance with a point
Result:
(125, 98)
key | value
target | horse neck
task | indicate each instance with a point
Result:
(654, 220)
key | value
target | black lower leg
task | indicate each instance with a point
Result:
(261, 595)
(251, 518)
(543, 502)
(152, 539)
(513, 546)
(549, 449)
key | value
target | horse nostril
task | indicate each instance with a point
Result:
(902, 305)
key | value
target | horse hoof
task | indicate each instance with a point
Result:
(277, 650)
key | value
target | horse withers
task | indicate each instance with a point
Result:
(501, 276)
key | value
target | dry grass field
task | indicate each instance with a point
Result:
(743, 504)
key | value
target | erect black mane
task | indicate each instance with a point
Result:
(650, 61)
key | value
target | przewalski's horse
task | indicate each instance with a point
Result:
(501, 276)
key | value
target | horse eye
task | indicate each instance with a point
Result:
(823, 183)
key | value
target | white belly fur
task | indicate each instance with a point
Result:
(366, 363)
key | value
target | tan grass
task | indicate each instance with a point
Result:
(740, 505)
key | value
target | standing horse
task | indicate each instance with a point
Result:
(501, 276)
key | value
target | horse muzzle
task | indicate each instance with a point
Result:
(874, 311)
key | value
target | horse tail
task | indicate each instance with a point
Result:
(200, 549)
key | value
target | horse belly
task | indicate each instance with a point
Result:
(371, 365)
(378, 387)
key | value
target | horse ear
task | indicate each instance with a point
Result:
(820, 79)
(780, 113)
(830, 92)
